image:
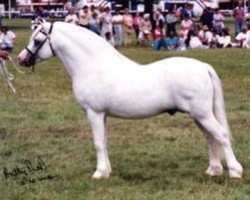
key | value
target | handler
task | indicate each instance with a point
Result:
(4, 54)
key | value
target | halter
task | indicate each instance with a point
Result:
(31, 60)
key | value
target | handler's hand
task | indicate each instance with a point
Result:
(4, 54)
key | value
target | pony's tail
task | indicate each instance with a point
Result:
(218, 101)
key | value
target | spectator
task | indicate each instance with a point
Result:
(1, 16)
(177, 10)
(247, 41)
(218, 21)
(128, 27)
(207, 17)
(199, 30)
(238, 14)
(117, 21)
(172, 41)
(225, 39)
(7, 39)
(136, 23)
(159, 12)
(71, 17)
(42, 13)
(183, 11)
(214, 41)
(93, 10)
(94, 24)
(84, 17)
(186, 25)
(106, 23)
(190, 11)
(205, 35)
(158, 39)
(171, 21)
(157, 33)
(241, 38)
(194, 42)
(145, 30)
(247, 18)
(157, 21)
(182, 44)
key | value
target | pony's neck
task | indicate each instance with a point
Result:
(82, 51)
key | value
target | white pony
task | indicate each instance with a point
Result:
(106, 83)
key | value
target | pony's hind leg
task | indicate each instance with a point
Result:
(221, 140)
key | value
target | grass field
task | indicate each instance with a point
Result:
(44, 132)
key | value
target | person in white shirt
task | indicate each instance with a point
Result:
(205, 35)
(225, 39)
(71, 17)
(106, 22)
(218, 21)
(7, 38)
(145, 30)
(214, 42)
(241, 37)
(117, 21)
(194, 42)
(246, 43)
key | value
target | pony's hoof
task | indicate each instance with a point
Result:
(214, 170)
(99, 174)
(236, 172)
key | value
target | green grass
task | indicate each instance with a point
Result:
(158, 158)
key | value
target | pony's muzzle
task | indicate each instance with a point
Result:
(26, 62)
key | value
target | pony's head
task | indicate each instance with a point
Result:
(39, 47)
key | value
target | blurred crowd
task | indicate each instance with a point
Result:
(178, 29)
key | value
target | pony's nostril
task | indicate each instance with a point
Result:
(18, 60)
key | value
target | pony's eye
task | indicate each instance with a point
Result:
(37, 42)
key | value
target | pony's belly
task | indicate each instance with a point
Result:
(138, 115)
(136, 112)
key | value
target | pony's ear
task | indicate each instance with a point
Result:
(41, 20)
(37, 22)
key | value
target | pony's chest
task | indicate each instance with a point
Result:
(88, 95)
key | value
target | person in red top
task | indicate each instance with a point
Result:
(157, 33)
(159, 39)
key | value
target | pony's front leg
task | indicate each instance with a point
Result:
(98, 125)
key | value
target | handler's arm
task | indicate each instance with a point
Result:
(4, 54)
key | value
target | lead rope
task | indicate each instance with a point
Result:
(14, 65)
(8, 76)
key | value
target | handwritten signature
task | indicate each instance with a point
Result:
(26, 180)
(26, 169)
